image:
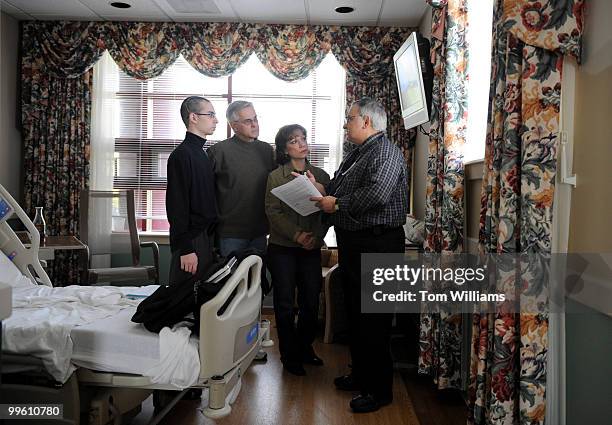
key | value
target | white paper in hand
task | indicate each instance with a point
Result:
(297, 195)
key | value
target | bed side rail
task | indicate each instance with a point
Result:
(26, 259)
(229, 326)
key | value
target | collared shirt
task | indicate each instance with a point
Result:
(371, 186)
(285, 223)
(190, 194)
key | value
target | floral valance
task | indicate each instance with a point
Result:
(549, 24)
(145, 49)
(63, 49)
(142, 49)
(367, 52)
(291, 55)
(219, 49)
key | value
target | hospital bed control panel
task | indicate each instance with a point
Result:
(5, 209)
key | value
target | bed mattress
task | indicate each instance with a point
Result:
(115, 344)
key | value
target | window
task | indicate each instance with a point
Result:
(480, 18)
(147, 124)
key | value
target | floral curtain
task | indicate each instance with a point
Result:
(56, 105)
(509, 351)
(56, 86)
(440, 333)
(444, 200)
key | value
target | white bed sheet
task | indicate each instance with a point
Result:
(43, 317)
(91, 327)
(116, 344)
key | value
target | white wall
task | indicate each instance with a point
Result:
(588, 333)
(422, 143)
(10, 137)
(591, 208)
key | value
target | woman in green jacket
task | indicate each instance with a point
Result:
(294, 254)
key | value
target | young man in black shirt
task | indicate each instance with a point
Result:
(190, 194)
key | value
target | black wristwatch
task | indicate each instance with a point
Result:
(336, 206)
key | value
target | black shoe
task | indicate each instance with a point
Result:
(313, 360)
(368, 403)
(294, 368)
(346, 383)
(261, 356)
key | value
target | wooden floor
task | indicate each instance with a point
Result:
(434, 406)
(271, 396)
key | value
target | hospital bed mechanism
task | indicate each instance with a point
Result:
(106, 397)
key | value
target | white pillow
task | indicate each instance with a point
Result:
(10, 274)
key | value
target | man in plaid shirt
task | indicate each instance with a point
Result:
(368, 202)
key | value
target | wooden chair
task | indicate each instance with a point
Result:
(332, 296)
(115, 213)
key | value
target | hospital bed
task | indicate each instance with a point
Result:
(105, 383)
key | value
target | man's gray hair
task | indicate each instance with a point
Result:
(232, 110)
(373, 109)
(189, 105)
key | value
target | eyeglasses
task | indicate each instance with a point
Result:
(208, 114)
(350, 118)
(248, 122)
(294, 140)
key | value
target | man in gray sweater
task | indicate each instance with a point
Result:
(241, 165)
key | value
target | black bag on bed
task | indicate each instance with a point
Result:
(169, 305)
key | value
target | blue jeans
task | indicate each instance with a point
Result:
(228, 245)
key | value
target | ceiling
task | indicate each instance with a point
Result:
(312, 12)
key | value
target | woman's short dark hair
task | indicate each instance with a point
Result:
(281, 139)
